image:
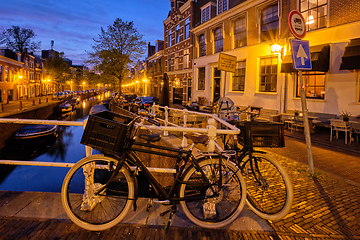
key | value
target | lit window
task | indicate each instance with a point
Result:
(201, 78)
(240, 32)
(218, 40)
(238, 82)
(222, 6)
(269, 23)
(268, 74)
(314, 83)
(314, 13)
(205, 14)
(186, 59)
(1, 77)
(187, 29)
(202, 45)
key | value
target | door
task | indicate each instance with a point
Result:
(178, 95)
(216, 84)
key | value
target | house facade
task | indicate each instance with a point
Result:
(178, 47)
(266, 78)
(155, 68)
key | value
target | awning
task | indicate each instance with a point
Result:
(350, 59)
(319, 59)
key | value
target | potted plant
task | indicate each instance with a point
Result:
(345, 115)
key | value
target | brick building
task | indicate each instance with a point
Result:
(155, 68)
(248, 29)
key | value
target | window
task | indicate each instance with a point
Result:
(222, 6)
(169, 39)
(187, 29)
(238, 82)
(202, 45)
(314, 83)
(176, 61)
(169, 64)
(314, 13)
(240, 32)
(205, 16)
(269, 23)
(268, 74)
(186, 58)
(6, 74)
(218, 40)
(177, 37)
(1, 77)
(201, 78)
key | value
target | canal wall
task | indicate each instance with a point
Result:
(7, 130)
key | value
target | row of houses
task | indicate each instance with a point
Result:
(196, 31)
(22, 75)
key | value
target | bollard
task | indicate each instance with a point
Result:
(39, 100)
(34, 102)
(1, 107)
(47, 99)
(20, 105)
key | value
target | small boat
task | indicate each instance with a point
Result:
(65, 107)
(73, 102)
(36, 131)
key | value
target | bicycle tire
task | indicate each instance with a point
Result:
(105, 209)
(232, 196)
(271, 196)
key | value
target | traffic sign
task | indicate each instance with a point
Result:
(227, 62)
(296, 24)
(300, 50)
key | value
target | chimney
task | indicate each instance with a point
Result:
(52, 44)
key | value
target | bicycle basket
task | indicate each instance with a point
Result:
(107, 131)
(261, 134)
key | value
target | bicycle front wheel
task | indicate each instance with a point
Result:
(90, 208)
(269, 189)
(218, 211)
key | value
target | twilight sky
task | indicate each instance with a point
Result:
(73, 24)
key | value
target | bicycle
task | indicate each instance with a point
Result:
(99, 190)
(269, 189)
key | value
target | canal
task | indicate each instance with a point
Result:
(65, 147)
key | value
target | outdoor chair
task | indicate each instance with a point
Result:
(355, 129)
(289, 121)
(338, 125)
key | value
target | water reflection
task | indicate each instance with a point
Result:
(65, 148)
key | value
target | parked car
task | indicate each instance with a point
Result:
(60, 95)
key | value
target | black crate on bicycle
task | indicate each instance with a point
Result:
(261, 134)
(107, 131)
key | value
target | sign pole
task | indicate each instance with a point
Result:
(224, 84)
(306, 125)
(301, 61)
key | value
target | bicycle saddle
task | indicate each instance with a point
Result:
(150, 138)
(197, 138)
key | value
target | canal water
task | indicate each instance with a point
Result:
(65, 147)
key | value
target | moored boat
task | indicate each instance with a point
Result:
(65, 107)
(36, 131)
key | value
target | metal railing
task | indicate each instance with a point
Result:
(211, 130)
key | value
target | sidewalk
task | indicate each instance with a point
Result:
(18, 106)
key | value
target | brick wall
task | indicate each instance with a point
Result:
(344, 11)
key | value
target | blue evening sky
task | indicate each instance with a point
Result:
(73, 24)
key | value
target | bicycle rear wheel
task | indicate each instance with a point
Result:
(269, 189)
(92, 210)
(213, 212)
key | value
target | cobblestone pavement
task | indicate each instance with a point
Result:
(326, 204)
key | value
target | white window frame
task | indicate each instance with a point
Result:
(222, 10)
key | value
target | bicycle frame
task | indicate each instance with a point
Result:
(159, 189)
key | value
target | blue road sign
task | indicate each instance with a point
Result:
(300, 50)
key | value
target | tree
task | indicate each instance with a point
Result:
(58, 69)
(116, 49)
(18, 39)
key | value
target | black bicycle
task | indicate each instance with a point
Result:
(99, 190)
(269, 189)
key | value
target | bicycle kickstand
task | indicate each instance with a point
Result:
(172, 211)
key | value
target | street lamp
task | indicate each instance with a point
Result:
(275, 48)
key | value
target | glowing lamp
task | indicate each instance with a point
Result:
(275, 48)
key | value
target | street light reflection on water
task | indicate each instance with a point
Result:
(64, 148)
